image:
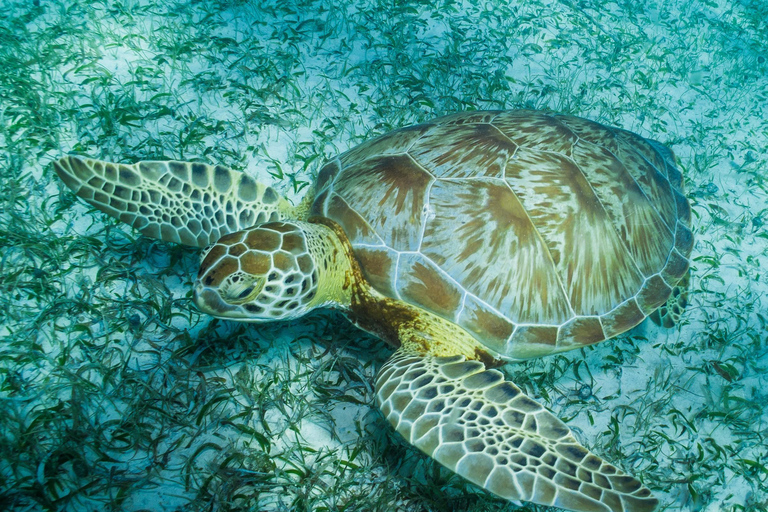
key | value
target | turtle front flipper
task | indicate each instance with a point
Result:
(187, 203)
(484, 428)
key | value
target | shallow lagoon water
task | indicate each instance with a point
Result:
(115, 391)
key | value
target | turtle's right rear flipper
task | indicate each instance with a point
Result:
(668, 315)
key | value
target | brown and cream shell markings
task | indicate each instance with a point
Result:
(537, 233)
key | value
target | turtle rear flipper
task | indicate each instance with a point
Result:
(485, 429)
(669, 314)
(183, 202)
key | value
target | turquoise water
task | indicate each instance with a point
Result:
(116, 393)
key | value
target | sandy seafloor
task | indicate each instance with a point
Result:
(115, 394)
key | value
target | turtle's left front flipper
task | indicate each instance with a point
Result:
(485, 429)
(183, 202)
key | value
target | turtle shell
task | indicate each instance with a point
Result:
(537, 233)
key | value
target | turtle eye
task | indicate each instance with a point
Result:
(245, 291)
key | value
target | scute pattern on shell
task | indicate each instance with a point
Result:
(537, 233)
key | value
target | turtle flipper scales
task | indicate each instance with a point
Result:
(484, 428)
(669, 314)
(187, 203)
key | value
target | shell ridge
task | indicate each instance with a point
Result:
(604, 208)
(396, 274)
(550, 259)
(364, 245)
(426, 192)
(339, 197)
(338, 162)
(462, 305)
(652, 204)
(648, 200)
(613, 226)
(452, 280)
(329, 188)
(425, 213)
(644, 191)
(489, 307)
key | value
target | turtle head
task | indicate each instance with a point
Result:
(264, 273)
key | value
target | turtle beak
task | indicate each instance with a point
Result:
(197, 293)
(209, 302)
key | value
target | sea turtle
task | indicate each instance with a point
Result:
(464, 242)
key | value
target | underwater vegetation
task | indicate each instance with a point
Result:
(115, 392)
